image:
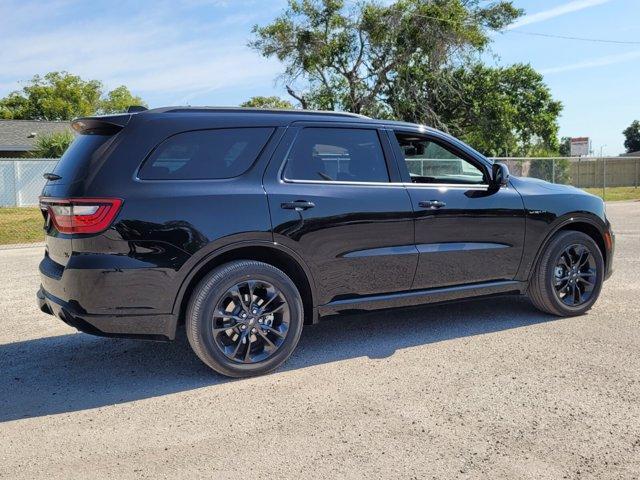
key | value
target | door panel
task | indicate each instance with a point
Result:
(477, 236)
(465, 231)
(357, 238)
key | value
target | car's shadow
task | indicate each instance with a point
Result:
(78, 371)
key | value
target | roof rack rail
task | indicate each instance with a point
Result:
(259, 110)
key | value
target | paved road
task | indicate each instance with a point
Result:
(489, 389)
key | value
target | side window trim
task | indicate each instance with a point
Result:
(404, 171)
(385, 147)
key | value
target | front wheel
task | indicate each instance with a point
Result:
(244, 318)
(568, 278)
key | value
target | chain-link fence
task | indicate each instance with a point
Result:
(581, 172)
(612, 178)
(21, 181)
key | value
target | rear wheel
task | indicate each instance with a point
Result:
(568, 278)
(244, 318)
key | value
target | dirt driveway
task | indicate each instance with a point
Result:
(483, 389)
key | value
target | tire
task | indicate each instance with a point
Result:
(213, 292)
(543, 292)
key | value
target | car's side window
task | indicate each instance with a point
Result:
(431, 162)
(205, 154)
(336, 155)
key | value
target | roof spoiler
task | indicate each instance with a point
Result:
(107, 125)
(136, 109)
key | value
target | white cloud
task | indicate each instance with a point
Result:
(570, 7)
(153, 51)
(593, 63)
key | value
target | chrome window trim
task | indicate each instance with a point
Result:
(341, 182)
(437, 186)
(465, 186)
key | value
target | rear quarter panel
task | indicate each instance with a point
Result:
(164, 228)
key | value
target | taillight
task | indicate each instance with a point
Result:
(81, 215)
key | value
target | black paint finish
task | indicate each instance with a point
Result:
(358, 245)
(358, 239)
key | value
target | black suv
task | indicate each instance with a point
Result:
(243, 225)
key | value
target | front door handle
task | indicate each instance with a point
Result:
(298, 205)
(432, 204)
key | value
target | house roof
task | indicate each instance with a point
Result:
(21, 135)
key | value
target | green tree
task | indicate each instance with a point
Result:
(56, 96)
(565, 147)
(118, 100)
(505, 110)
(63, 96)
(353, 59)
(632, 137)
(267, 102)
(53, 145)
(555, 169)
(414, 60)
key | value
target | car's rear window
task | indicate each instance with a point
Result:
(77, 160)
(205, 154)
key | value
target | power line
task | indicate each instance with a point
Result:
(537, 34)
(582, 39)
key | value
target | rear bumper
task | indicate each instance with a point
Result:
(144, 327)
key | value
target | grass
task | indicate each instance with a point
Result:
(24, 224)
(617, 193)
(20, 225)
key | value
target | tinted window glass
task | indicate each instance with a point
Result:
(75, 162)
(205, 154)
(337, 154)
(430, 162)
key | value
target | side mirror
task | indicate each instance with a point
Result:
(500, 175)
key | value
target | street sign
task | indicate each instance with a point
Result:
(580, 146)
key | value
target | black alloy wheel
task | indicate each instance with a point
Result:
(251, 321)
(244, 318)
(575, 275)
(568, 276)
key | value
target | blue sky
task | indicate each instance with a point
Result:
(194, 52)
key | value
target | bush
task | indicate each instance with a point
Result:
(53, 145)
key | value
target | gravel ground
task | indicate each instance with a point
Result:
(482, 389)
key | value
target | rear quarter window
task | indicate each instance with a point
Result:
(205, 154)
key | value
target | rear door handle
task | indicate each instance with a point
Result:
(298, 205)
(432, 204)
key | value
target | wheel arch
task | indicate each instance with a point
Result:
(577, 223)
(274, 254)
